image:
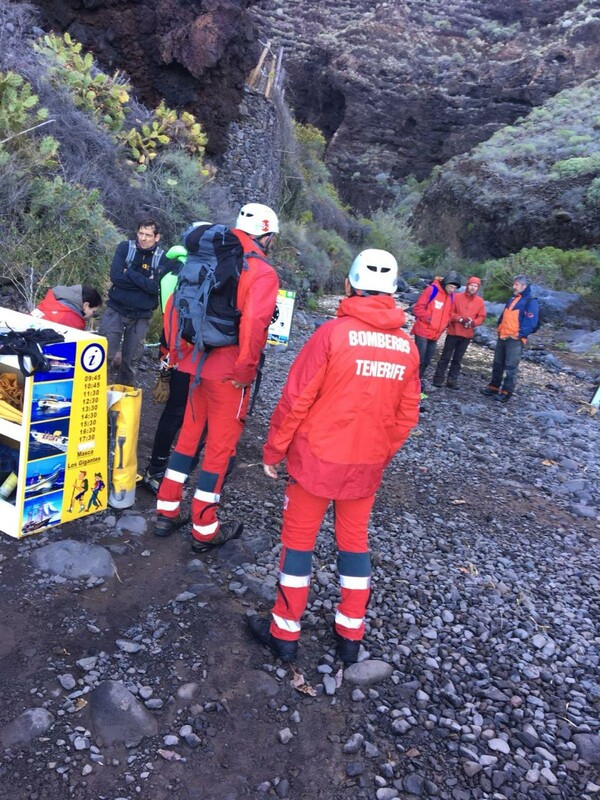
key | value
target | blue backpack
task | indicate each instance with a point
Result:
(206, 293)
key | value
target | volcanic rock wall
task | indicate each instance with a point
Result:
(400, 87)
(194, 54)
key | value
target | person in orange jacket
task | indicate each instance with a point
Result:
(349, 403)
(72, 306)
(468, 313)
(432, 314)
(219, 401)
(518, 320)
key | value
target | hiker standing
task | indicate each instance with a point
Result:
(72, 306)
(96, 489)
(349, 403)
(135, 272)
(220, 393)
(468, 313)
(432, 314)
(516, 323)
(172, 385)
(82, 485)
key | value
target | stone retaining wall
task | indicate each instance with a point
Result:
(251, 165)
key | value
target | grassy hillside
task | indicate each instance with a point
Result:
(532, 184)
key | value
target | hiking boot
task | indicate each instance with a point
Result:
(152, 480)
(452, 385)
(226, 533)
(281, 648)
(503, 396)
(346, 649)
(490, 391)
(164, 526)
(438, 384)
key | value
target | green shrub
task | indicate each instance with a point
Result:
(572, 167)
(592, 196)
(60, 235)
(102, 95)
(18, 115)
(167, 127)
(389, 232)
(572, 270)
(53, 231)
(338, 252)
(107, 98)
(180, 181)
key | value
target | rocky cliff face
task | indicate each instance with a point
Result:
(402, 87)
(194, 54)
(533, 184)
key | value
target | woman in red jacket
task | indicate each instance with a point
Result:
(350, 401)
(72, 306)
(432, 314)
(468, 313)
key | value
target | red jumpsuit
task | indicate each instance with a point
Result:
(350, 401)
(215, 403)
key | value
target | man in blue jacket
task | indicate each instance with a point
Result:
(516, 323)
(135, 276)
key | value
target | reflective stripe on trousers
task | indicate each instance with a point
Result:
(221, 408)
(302, 517)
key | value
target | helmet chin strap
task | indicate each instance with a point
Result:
(265, 242)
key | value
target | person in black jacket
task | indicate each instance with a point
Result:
(135, 274)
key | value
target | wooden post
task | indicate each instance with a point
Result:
(256, 71)
(270, 79)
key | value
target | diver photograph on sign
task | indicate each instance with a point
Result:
(45, 475)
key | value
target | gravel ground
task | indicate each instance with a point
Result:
(479, 677)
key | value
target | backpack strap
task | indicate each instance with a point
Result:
(130, 253)
(255, 254)
(158, 254)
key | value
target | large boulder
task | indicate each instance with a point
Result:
(26, 727)
(73, 559)
(117, 716)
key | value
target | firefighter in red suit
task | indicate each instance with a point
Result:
(219, 401)
(350, 401)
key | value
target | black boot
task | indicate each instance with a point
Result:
(346, 649)
(164, 526)
(227, 531)
(281, 648)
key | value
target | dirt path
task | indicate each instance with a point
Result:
(196, 657)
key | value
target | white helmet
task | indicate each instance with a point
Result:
(257, 220)
(374, 271)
